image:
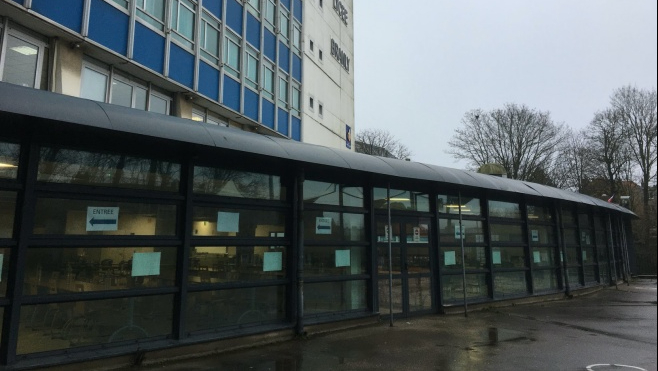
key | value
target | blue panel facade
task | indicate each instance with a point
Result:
(297, 11)
(251, 104)
(270, 45)
(208, 81)
(296, 130)
(214, 7)
(282, 124)
(181, 65)
(234, 15)
(231, 92)
(19, 1)
(108, 26)
(253, 31)
(296, 68)
(285, 3)
(284, 57)
(149, 48)
(268, 113)
(68, 13)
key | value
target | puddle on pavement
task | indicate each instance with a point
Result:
(494, 335)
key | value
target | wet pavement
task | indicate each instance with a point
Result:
(612, 329)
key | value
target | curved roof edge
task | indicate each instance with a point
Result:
(52, 106)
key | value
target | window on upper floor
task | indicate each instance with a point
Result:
(283, 91)
(232, 54)
(104, 85)
(311, 103)
(209, 38)
(296, 97)
(320, 110)
(270, 12)
(254, 7)
(268, 80)
(284, 25)
(24, 60)
(152, 12)
(251, 68)
(297, 38)
(205, 115)
(121, 3)
(182, 21)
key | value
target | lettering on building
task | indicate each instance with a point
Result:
(341, 10)
(340, 55)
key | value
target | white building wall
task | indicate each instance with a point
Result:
(326, 80)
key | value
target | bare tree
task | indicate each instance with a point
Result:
(637, 113)
(378, 142)
(573, 165)
(521, 139)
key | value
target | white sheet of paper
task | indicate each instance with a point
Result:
(343, 258)
(496, 257)
(228, 222)
(449, 258)
(146, 264)
(272, 261)
(537, 256)
(535, 235)
(323, 225)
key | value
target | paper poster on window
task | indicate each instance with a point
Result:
(322, 225)
(457, 234)
(495, 237)
(416, 237)
(535, 235)
(536, 255)
(496, 257)
(102, 218)
(228, 222)
(449, 258)
(272, 261)
(479, 238)
(146, 264)
(2, 260)
(584, 255)
(343, 258)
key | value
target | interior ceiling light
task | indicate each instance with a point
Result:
(399, 199)
(25, 50)
(4, 165)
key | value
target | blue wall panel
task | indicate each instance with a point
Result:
(251, 104)
(234, 15)
(268, 113)
(296, 129)
(253, 31)
(108, 26)
(282, 124)
(149, 48)
(214, 7)
(68, 13)
(296, 68)
(231, 92)
(297, 12)
(19, 1)
(270, 45)
(181, 65)
(284, 57)
(285, 3)
(208, 81)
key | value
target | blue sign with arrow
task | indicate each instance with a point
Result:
(102, 218)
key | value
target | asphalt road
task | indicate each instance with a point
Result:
(612, 329)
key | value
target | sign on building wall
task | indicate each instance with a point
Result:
(341, 10)
(340, 55)
(102, 218)
(348, 137)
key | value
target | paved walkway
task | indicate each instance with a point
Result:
(603, 330)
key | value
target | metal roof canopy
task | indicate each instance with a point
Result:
(57, 107)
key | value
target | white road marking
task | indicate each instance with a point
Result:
(591, 367)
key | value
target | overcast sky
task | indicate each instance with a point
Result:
(420, 65)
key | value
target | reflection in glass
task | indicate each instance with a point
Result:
(7, 212)
(325, 225)
(334, 261)
(122, 94)
(332, 194)
(21, 60)
(420, 293)
(233, 183)
(83, 269)
(500, 209)
(510, 284)
(453, 288)
(4, 265)
(589, 272)
(72, 217)
(545, 280)
(384, 303)
(539, 213)
(568, 217)
(473, 231)
(219, 264)
(93, 85)
(418, 259)
(80, 167)
(451, 257)
(508, 257)
(418, 231)
(401, 200)
(334, 296)
(9, 160)
(382, 262)
(506, 233)
(54, 326)
(574, 277)
(543, 256)
(446, 204)
(570, 236)
(541, 234)
(235, 307)
(238, 222)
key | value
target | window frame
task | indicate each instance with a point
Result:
(42, 46)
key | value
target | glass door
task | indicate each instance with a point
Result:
(410, 261)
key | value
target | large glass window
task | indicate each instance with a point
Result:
(94, 84)
(296, 99)
(450, 205)
(222, 264)
(182, 21)
(508, 257)
(472, 231)
(541, 234)
(268, 81)
(230, 222)
(252, 69)
(453, 287)
(9, 160)
(451, 257)
(545, 280)
(232, 54)
(510, 284)
(283, 91)
(270, 12)
(334, 261)
(332, 194)
(152, 12)
(334, 297)
(284, 25)
(5, 258)
(57, 216)
(297, 38)
(326, 225)
(59, 165)
(402, 200)
(7, 212)
(539, 213)
(24, 59)
(234, 183)
(543, 256)
(209, 38)
(499, 209)
(506, 233)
